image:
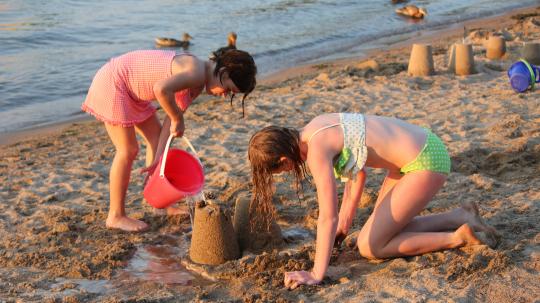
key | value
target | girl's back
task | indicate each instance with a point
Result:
(392, 142)
(141, 69)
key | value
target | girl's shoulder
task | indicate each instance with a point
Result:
(188, 63)
(327, 118)
(187, 59)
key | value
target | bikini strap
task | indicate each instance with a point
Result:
(321, 129)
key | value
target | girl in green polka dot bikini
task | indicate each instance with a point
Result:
(341, 146)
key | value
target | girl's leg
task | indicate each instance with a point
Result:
(450, 220)
(150, 130)
(125, 142)
(391, 179)
(382, 236)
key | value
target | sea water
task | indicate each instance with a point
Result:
(50, 50)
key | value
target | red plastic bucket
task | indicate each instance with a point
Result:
(179, 174)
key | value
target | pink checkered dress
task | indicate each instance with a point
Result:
(122, 90)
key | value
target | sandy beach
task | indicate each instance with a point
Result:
(55, 247)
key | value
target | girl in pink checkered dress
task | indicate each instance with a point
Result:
(122, 95)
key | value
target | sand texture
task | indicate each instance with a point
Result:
(54, 246)
(254, 238)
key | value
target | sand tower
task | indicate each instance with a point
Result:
(213, 240)
(421, 61)
(495, 47)
(253, 240)
(531, 52)
(461, 59)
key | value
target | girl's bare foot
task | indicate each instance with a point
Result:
(477, 223)
(172, 211)
(177, 210)
(466, 237)
(126, 223)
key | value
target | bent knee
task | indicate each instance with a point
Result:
(369, 251)
(129, 152)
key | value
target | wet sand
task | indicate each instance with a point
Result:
(54, 192)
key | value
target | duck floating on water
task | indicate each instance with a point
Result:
(231, 44)
(170, 42)
(412, 11)
(399, 1)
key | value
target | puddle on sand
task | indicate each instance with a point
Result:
(296, 233)
(157, 263)
(150, 263)
(63, 286)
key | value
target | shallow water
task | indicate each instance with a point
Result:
(159, 264)
(156, 263)
(296, 233)
(50, 50)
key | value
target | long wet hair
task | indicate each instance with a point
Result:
(241, 69)
(266, 147)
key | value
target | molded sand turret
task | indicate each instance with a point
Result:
(531, 52)
(461, 59)
(495, 47)
(213, 241)
(257, 240)
(421, 61)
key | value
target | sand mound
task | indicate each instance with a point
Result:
(254, 240)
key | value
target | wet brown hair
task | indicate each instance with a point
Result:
(241, 69)
(266, 147)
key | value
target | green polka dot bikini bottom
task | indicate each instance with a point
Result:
(433, 157)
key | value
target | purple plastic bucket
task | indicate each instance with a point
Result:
(523, 75)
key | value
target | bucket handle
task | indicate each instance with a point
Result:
(531, 71)
(164, 158)
(537, 80)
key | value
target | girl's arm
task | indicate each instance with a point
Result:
(163, 136)
(320, 165)
(323, 175)
(351, 198)
(192, 76)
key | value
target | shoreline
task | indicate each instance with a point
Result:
(384, 45)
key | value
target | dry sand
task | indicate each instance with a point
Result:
(54, 246)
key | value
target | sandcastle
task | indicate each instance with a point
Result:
(531, 52)
(461, 59)
(421, 61)
(217, 238)
(495, 47)
(213, 240)
(253, 240)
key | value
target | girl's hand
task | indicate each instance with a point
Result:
(340, 236)
(295, 278)
(149, 170)
(177, 127)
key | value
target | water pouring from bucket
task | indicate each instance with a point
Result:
(178, 175)
(523, 75)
